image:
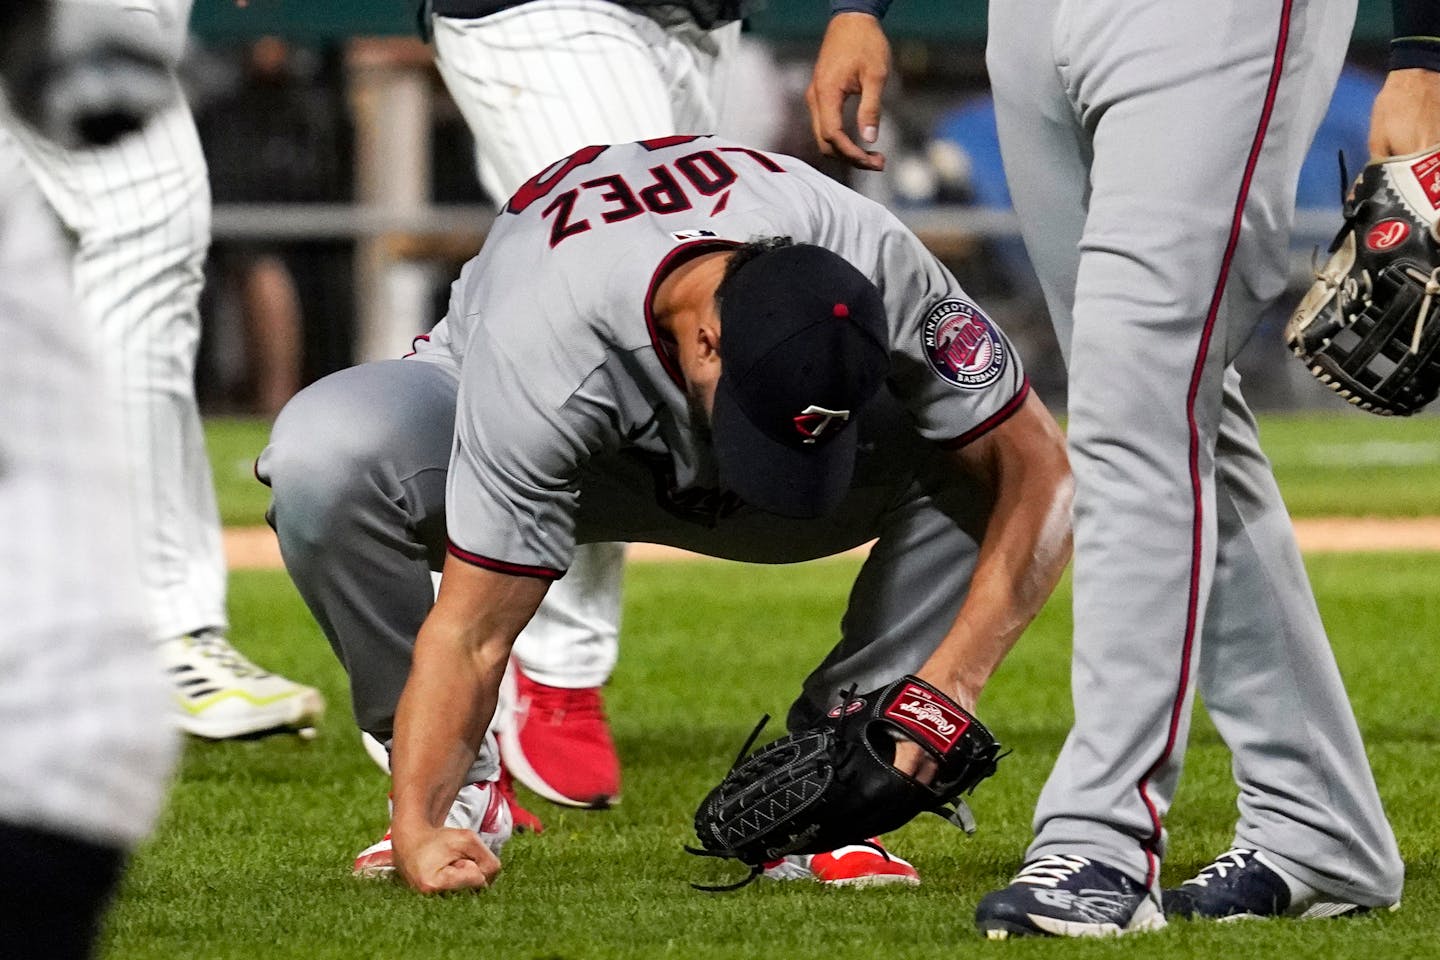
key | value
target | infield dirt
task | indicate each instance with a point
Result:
(254, 548)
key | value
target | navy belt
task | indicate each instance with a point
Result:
(475, 9)
(471, 9)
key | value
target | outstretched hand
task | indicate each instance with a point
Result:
(854, 59)
(1406, 116)
(445, 859)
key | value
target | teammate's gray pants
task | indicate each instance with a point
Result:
(1134, 133)
(357, 466)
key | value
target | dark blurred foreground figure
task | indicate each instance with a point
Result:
(137, 202)
(88, 745)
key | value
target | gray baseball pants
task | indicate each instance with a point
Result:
(1153, 149)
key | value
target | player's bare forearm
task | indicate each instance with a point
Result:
(1025, 548)
(1406, 115)
(448, 702)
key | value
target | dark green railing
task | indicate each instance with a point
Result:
(319, 20)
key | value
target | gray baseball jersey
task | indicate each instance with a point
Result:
(548, 407)
(561, 362)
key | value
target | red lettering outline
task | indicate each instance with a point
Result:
(545, 181)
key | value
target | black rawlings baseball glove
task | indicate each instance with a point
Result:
(1368, 328)
(819, 789)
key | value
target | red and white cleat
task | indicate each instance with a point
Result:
(479, 806)
(862, 865)
(558, 744)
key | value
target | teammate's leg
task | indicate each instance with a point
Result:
(88, 749)
(140, 210)
(1044, 149)
(1154, 327)
(1154, 321)
(1307, 797)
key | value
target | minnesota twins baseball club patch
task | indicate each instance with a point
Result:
(962, 345)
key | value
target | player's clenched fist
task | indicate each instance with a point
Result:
(442, 859)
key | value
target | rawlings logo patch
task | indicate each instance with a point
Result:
(916, 708)
(962, 345)
(1427, 171)
(1387, 234)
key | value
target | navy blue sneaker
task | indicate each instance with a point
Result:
(1063, 896)
(1244, 884)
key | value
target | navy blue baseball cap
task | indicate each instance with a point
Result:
(803, 348)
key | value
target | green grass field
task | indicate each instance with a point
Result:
(252, 858)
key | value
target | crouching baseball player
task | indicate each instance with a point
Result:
(626, 361)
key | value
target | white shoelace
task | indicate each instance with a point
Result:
(1233, 859)
(214, 646)
(1432, 289)
(1051, 870)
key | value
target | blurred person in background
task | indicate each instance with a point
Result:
(274, 134)
(139, 209)
(88, 749)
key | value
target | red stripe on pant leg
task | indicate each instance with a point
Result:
(1277, 67)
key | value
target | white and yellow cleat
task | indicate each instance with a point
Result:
(219, 693)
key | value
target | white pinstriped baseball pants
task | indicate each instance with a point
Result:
(140, 213)
(88, 745)
(535, 83)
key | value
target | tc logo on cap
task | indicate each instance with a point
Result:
(813, 421)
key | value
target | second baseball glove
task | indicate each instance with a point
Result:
(819, 789)
(1369, 328)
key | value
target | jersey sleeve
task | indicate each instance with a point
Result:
(952, 366)
(521, 438)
